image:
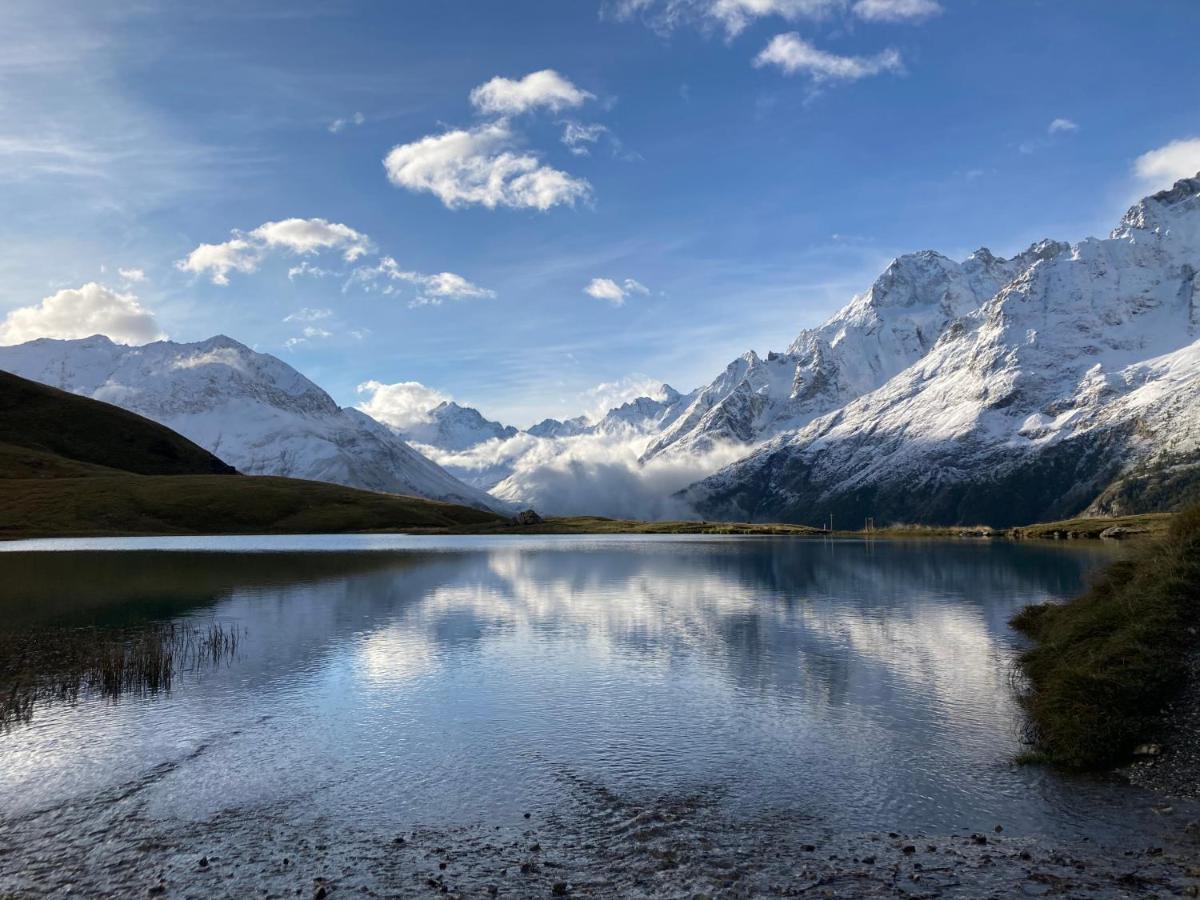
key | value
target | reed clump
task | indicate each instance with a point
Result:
(66, 665)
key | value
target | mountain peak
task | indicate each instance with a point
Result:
(1161, 212)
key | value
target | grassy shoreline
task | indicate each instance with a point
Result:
(1102, 666)
(122, 505)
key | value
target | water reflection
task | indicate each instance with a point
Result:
(866, 684)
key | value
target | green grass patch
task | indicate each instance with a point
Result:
(1103, 665)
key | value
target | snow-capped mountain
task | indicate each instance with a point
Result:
(1083, 367)
(486, 454)
(250, 409)
(453, 427)
(555, 428)
(877, 335)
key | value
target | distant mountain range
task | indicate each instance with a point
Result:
(1004, 391)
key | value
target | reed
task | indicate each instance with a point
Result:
(67, 665)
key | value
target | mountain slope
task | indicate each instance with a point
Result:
(1083, 367)
(251, 409)
(45, 431)
(874, 337)
(74, 466)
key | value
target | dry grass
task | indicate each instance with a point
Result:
(213, 504)
(62, 666)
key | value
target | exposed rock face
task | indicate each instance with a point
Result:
(528, 517)
(1080, 368)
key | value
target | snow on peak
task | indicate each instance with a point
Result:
(251, 409)
(1083, 364)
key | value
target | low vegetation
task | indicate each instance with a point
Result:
(1119, 526)
(1103, 665)
(64, 665)
(601, 525)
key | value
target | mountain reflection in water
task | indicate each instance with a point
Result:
(444, 680)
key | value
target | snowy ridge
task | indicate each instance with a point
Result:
(876, 336)
(1085, 364)
(250, 409)
(453, 427)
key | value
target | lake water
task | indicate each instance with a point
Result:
(390, 683)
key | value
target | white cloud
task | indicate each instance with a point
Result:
(478, 166)
(307, 269)
(1061, 125)
(1161, 168)
(598, 401)
(577, 137)
(432, 289)
(83, 312)
(338, 125)
(132, 276)
(617, 294)
(306, 236)
(245, 251)
(731, 15)
(546, 89)
(896, 10)
(309, 315)
(792, 54)
(601, 475)
(236, 255)
(401, 405)
(605, 289)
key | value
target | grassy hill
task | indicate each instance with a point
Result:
(45, 432)
(71, 466)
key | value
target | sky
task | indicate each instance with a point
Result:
(537, 208)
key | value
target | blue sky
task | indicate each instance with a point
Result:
(750, 165)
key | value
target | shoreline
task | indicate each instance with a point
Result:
(593, 844)
(1117, 529)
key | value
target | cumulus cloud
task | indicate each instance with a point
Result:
(792, 54)
(339, 125)
(1061, 125)
(479, 166)
(432, 289)
(1164, 166)
(306, 236)
(614, 293)
(132, 276)
(545, 89)
(245, 251)
(896, 10)
(83, 312)
(402, 405)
